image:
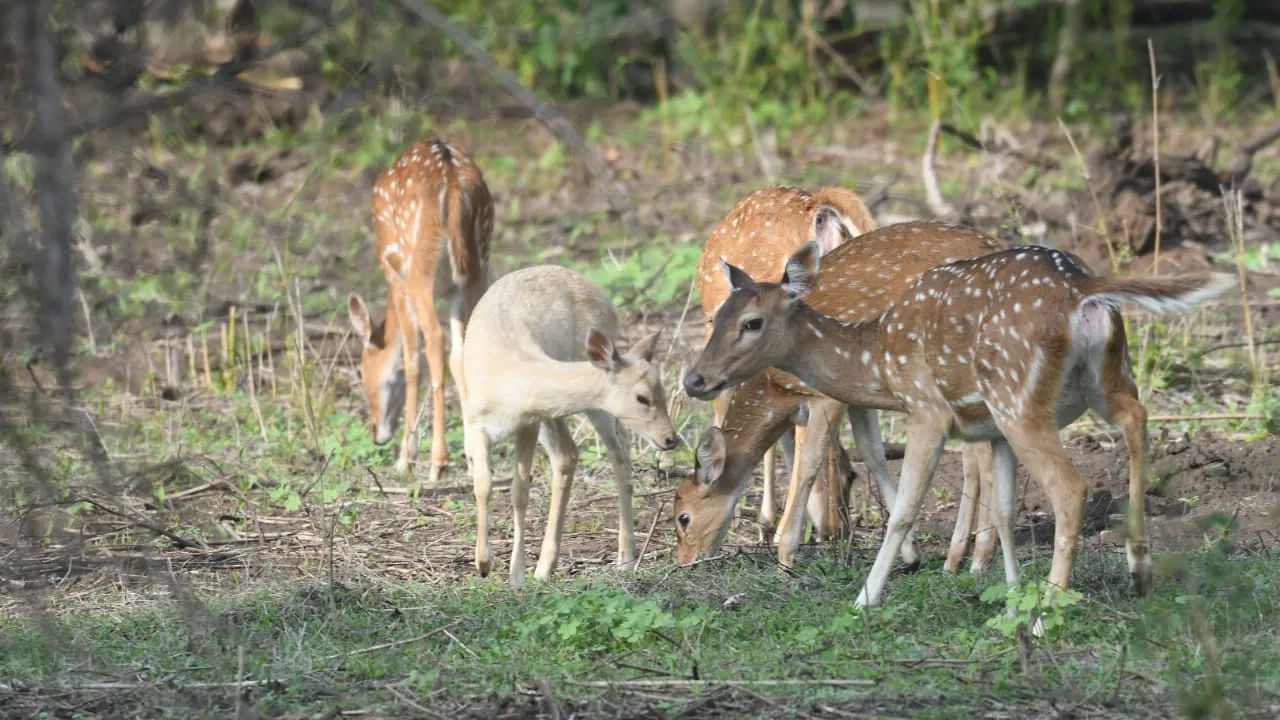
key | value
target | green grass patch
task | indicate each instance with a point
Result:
(1203, 643)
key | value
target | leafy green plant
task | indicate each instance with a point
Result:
(655, 273)
(600, 618)
(1027, 603)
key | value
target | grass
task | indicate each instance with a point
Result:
(1201, 644)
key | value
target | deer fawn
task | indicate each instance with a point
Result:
(872, 267)
(759, 233)
(540, 347)
(431, 204)
(1008, 347)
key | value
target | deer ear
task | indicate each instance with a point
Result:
(645, 346)
(601, 351)
(360, 323)
(828, 229)
(801, 271)
(737, 278)
(709, 457)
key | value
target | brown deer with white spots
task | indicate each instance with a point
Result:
(540, 347)
(761, 232)
(433, 216)
(1008, 347)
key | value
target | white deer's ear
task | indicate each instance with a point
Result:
(360, 322)
(737, 278)
(645, 346)
(802, 270)
(601, 352)
(710, 457)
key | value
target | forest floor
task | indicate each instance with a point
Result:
(205, 527)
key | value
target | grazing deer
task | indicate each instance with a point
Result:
(759, 233)
(1008, 347)
(875, 266)
(539, 348)
(433, 216)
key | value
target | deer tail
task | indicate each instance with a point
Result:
(456, 209)
(1162, 295)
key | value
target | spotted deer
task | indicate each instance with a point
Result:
(540, 347)
(759, 233)
(433, 216)
(876, 265)
(1007, 347)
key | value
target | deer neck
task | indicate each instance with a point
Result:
(750, 430)
(839, 360)
(557, 389)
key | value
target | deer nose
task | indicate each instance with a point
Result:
(694, 383)
(670, 442)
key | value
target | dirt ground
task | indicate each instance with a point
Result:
(398, 539)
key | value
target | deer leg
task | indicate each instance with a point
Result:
(1128, 412)
(984, 531)
(1043, 455)
(788, 443)
(924, 449)
(433, 338)
(526, 441)
(458, 314)
(610, 433)
(828, 504)
(464, 301)
(813, 438)
(1000, 509)
(477, 444)
(564, 460)
(768, 504)
(412, 378)
(965, 513)
(866, 435)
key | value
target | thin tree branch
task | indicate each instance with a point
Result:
(554, 121)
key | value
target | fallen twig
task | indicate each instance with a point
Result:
(411, 703)
(397, 643)
(785, 682)
(163, 683)
(653, 525)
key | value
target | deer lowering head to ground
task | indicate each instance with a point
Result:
(759, 234)
(872, 268)
(540, 347)
(1007, 347)
(433, 216)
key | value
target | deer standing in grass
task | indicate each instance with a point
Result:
(759, 233)
(433, 216)
(540, 347)
(1008, 347)
(876, 265)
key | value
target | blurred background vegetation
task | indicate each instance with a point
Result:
(786, 59)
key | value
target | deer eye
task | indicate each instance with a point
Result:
(643, 400)
(684, 520)
(753, 324)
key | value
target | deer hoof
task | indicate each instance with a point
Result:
(437, 472)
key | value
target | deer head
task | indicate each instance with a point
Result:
(381, 371)
(700, 514)
(633, 392)
(752, 329)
